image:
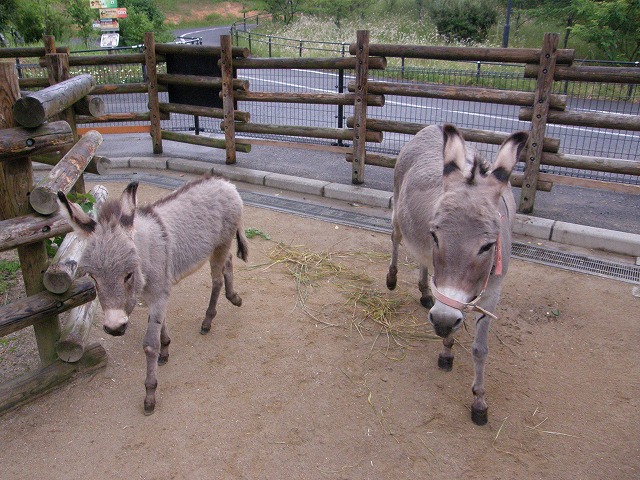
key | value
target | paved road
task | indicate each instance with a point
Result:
(583, 206)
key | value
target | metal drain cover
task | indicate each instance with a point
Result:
(576, 263)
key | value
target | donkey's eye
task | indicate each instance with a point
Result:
(128, 277)
(486, 248)
(434, 238)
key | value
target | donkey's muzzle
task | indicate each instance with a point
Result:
(116, 332)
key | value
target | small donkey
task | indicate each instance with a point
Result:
(454, 212)
(146, 250)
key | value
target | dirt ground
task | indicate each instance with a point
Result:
(303, 382)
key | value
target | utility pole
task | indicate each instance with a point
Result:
(505, 32)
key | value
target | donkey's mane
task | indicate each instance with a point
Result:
(180, 191)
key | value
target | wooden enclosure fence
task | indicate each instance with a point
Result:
(542, 107)
(41, 126)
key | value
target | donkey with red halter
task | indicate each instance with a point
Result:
(454, 212)
(131, 251)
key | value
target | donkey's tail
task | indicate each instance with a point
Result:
(243, 245)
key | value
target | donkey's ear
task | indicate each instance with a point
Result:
(82, 223)
(128, 201)
(454, 153)
(507, 155)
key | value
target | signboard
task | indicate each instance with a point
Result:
(103, 3)
(113, 13)
(205, 65)
(109, 40)
(109, 24)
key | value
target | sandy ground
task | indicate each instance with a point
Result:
(299, 383)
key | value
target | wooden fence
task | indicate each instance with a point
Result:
(542, 107)
(32, 127)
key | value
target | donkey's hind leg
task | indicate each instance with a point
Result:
(217, 262)
(229, 292)
(392, 275)
(426, 298)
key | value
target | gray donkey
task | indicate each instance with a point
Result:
(146, 250)
(454, 211)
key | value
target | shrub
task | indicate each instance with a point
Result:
(467, 20)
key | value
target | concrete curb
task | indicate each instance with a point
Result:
(622, 243)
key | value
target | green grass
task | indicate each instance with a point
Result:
(8, 274)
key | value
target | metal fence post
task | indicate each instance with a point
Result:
(300, 48)
(269, 39)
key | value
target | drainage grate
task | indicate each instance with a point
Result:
(522, 251)
(576, 263)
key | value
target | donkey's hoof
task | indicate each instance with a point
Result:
(392, 280)
(163, 359)
(204, 330)
(149, 409)
(236, 300)
(445, 363)
(479, 416)
(426, 302)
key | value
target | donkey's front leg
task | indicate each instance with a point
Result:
(165, 340)
(480, 351)
(426, 299)
(445, 358)
(152, 346)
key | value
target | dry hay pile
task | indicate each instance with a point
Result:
(390, 316)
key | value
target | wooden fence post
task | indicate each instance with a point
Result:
(360, 107)
(152, 87)
(538, 122)
(15, 184)
(227, 97)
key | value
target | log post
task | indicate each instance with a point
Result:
(59, 277)
(152, 89)
(544, 87)
(360, 107)
(58, 71)
(90, 106)
(65, 174)
(34, 109)
(227, 98)
(15, 182)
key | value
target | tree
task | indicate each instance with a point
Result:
(286, 9)
(142, 16)
(565, 11)
(613, 26)
(340, 10)
(82, 16)
(8, 10)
